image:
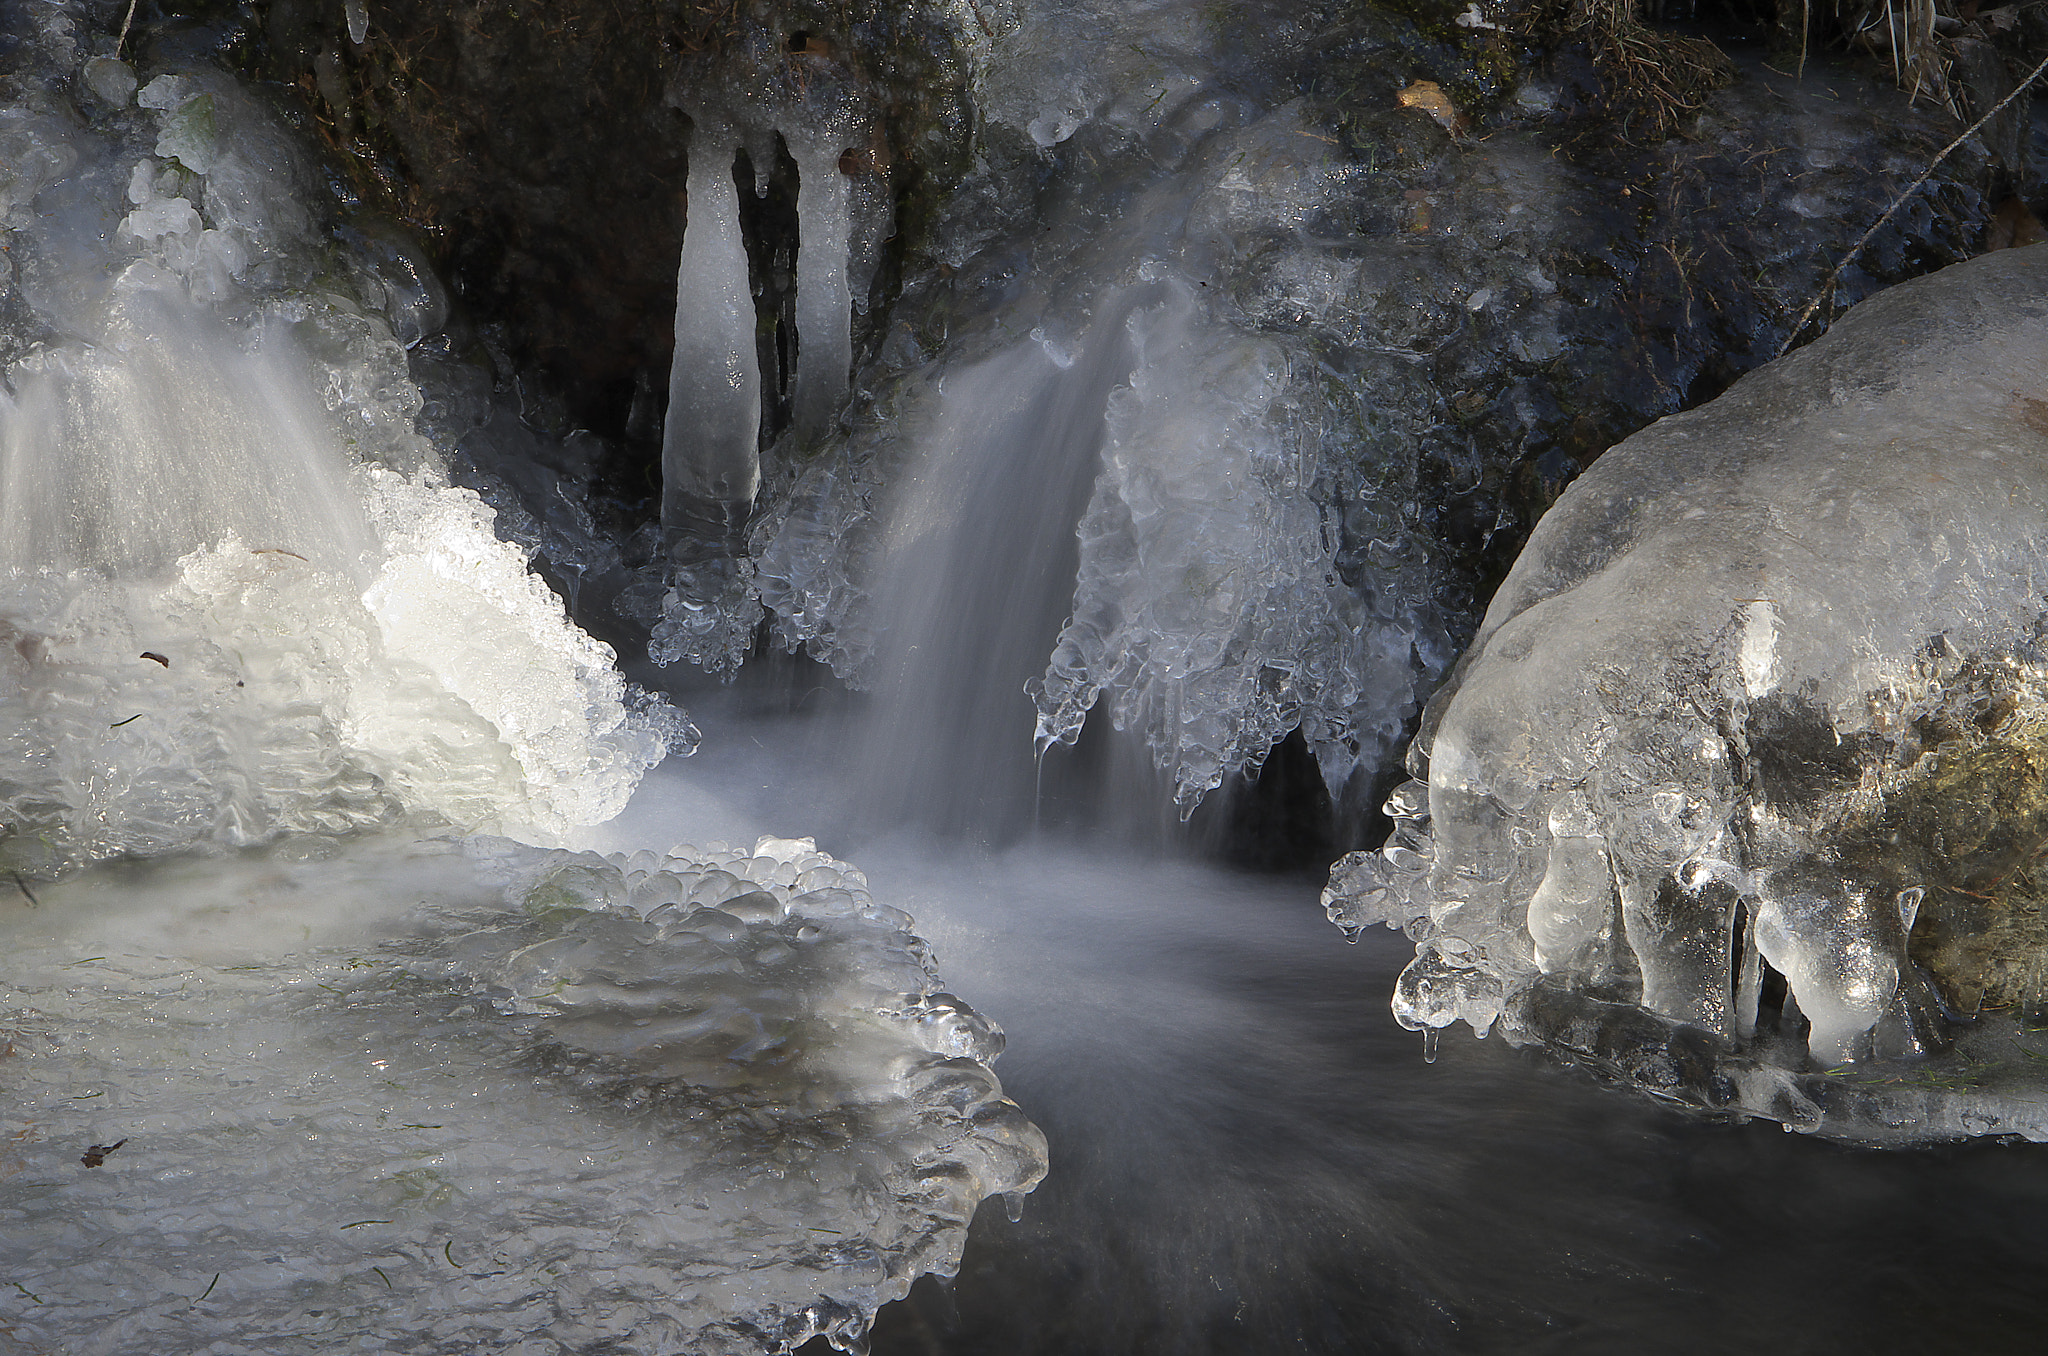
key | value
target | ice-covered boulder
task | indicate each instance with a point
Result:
(1756, 721)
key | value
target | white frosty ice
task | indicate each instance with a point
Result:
(239, 598)
(1692, 733)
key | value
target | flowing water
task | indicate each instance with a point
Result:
(1248, 1156)
(296, 1054)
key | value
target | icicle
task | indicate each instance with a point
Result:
(824, 305)
(710, 445)
(1749, 976)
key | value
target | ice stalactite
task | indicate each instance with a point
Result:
(824, 303)
(713, 439)
(710, 445)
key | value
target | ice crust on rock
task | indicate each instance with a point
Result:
(1709, 723)
(439, 1096)
(241, 599)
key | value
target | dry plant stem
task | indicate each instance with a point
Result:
(128, 19)
(1828, 286)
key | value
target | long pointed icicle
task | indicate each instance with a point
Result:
(824, 305)
(710, 445)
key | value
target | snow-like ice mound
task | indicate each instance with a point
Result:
(1742, 776)
(427, 1099)
(238, 597)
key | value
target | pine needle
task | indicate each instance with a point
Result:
(1828, 286)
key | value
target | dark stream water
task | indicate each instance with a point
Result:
(1250, 1156)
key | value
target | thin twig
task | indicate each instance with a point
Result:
(120, 41)
(1827, 287)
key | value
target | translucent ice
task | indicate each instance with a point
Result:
(1714, 718)
(710, 451)
(1205, 602)
(824, 303)
(412, 1096)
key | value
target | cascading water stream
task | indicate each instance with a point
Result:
(974, 574)
(167, 436)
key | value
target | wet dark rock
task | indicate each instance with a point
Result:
(538, 148)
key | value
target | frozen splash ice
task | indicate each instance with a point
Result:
(432, 1095)
(1723, 719)
(1208, 612)
(1206, 603)
(240, 599)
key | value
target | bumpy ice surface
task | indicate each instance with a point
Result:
(1691, 750)
(439, 1097)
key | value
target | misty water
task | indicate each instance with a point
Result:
(387, 972)
(1248, 1156)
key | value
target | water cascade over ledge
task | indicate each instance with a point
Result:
(270, 686)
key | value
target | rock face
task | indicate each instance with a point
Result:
(1425, 270)
(546, 149)
(1758, 721)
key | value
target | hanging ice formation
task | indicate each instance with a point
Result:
(1208, 611)
(807, 102)
(710, 445)
(1751, 740)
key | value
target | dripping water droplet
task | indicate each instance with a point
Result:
(1429, 1035)
(1013, 1205)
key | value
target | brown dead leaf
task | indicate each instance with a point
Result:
(1429, 96)
(96, 1154)
(2013, 226)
